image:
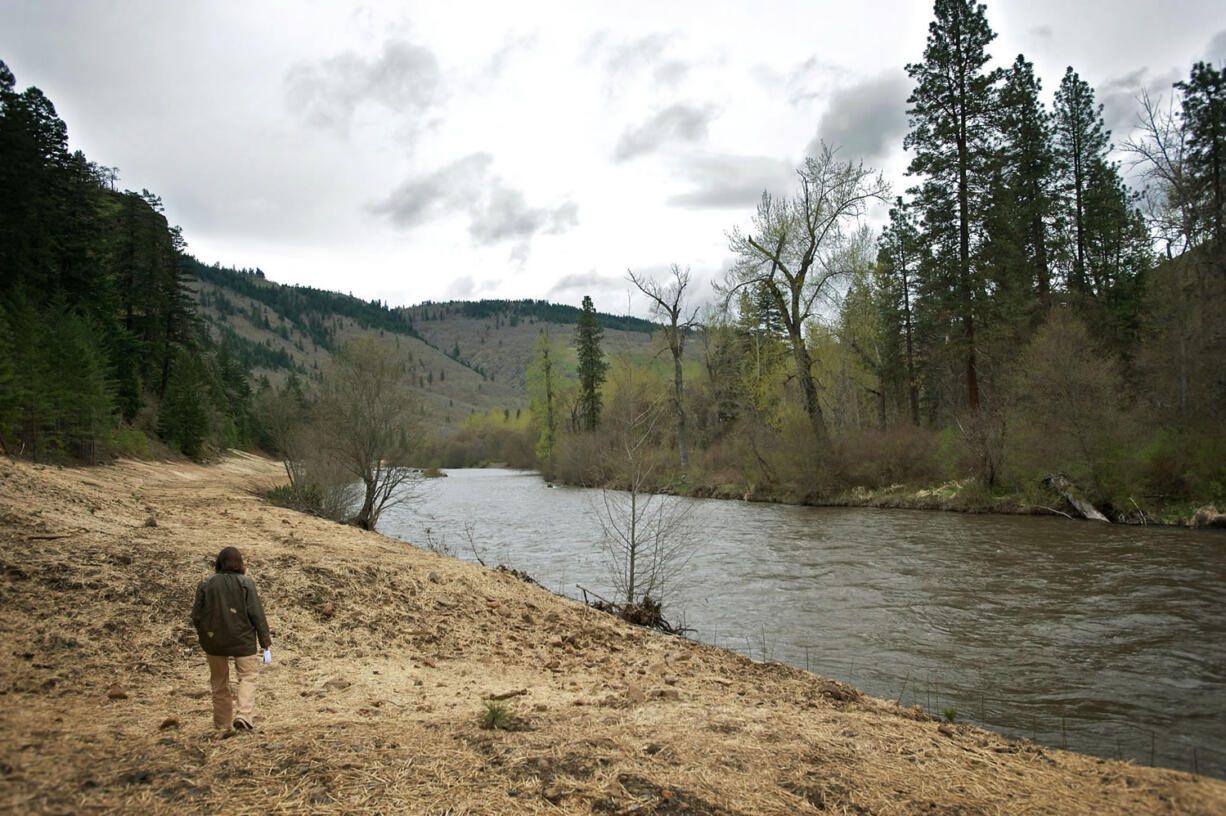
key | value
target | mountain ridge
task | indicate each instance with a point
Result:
(465, 357)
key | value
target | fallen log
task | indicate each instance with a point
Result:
(1061, 484)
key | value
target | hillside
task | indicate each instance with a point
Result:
(498, 337)
(465, 357)
(383, 654)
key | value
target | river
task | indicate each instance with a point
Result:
(1105, 639)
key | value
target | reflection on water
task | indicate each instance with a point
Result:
(1107, 639)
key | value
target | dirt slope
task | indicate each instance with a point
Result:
(383, 654)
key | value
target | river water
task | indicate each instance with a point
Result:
(1104, 639)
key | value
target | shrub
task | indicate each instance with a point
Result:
(880, 457)
(307, 499)
(130, 442)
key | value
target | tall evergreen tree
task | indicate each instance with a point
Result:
(1204, 114)
(1027, 159)
(592, 365)
(1108, 243)
(951, 117)
(897, 267)
(1081, 143)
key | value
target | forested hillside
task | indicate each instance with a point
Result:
(99, 342)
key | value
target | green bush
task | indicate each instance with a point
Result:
(307, 499)
(130, 442)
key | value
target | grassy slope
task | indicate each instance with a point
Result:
(383, 653)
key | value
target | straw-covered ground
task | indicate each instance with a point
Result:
(383, 656)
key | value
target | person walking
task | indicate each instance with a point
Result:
(230, 623)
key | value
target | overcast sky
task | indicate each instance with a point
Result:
(437, 150)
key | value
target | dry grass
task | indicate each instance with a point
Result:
(383, 655)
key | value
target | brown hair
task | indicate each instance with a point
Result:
(230, 560)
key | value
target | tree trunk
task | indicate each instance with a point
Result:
(634, 545)
(679, 408)
(804, 372)
(364, 519)
(1040, 262)
(964, 264)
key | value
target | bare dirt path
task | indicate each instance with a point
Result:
(383, 655)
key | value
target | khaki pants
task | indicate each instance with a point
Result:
(224, 708)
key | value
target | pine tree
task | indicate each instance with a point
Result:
(1081, 143)
(1204, 114)
(184, 419)
(1109, 243)
(592, 365)
(1027, 159)
(895, 286)
(951, 118)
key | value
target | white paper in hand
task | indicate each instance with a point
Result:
(268, 655)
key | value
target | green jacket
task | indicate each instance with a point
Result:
(229, 617)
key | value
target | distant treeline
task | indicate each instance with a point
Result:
(540, 310)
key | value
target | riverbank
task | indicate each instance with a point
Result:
(383, 655)
(968, 497)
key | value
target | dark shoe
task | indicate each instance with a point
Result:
(242, 725)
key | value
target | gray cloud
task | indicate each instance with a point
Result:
(449, 189)
(511, 48)
(676, 123)
(468, 186)
(1216, 52)
(866, 120)
(600, 287)
(809, 80)
(1119, 96)
(503, 214)
(645, 56)
(731, 182)
(1043, 33)
(671, 73)
(404, 77)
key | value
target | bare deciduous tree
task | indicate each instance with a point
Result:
(367, 417)
(1159, 151)
(667, 303)
(796, 251)
(645, 534)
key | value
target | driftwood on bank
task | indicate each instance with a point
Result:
(647, 612)
(1061, 484)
